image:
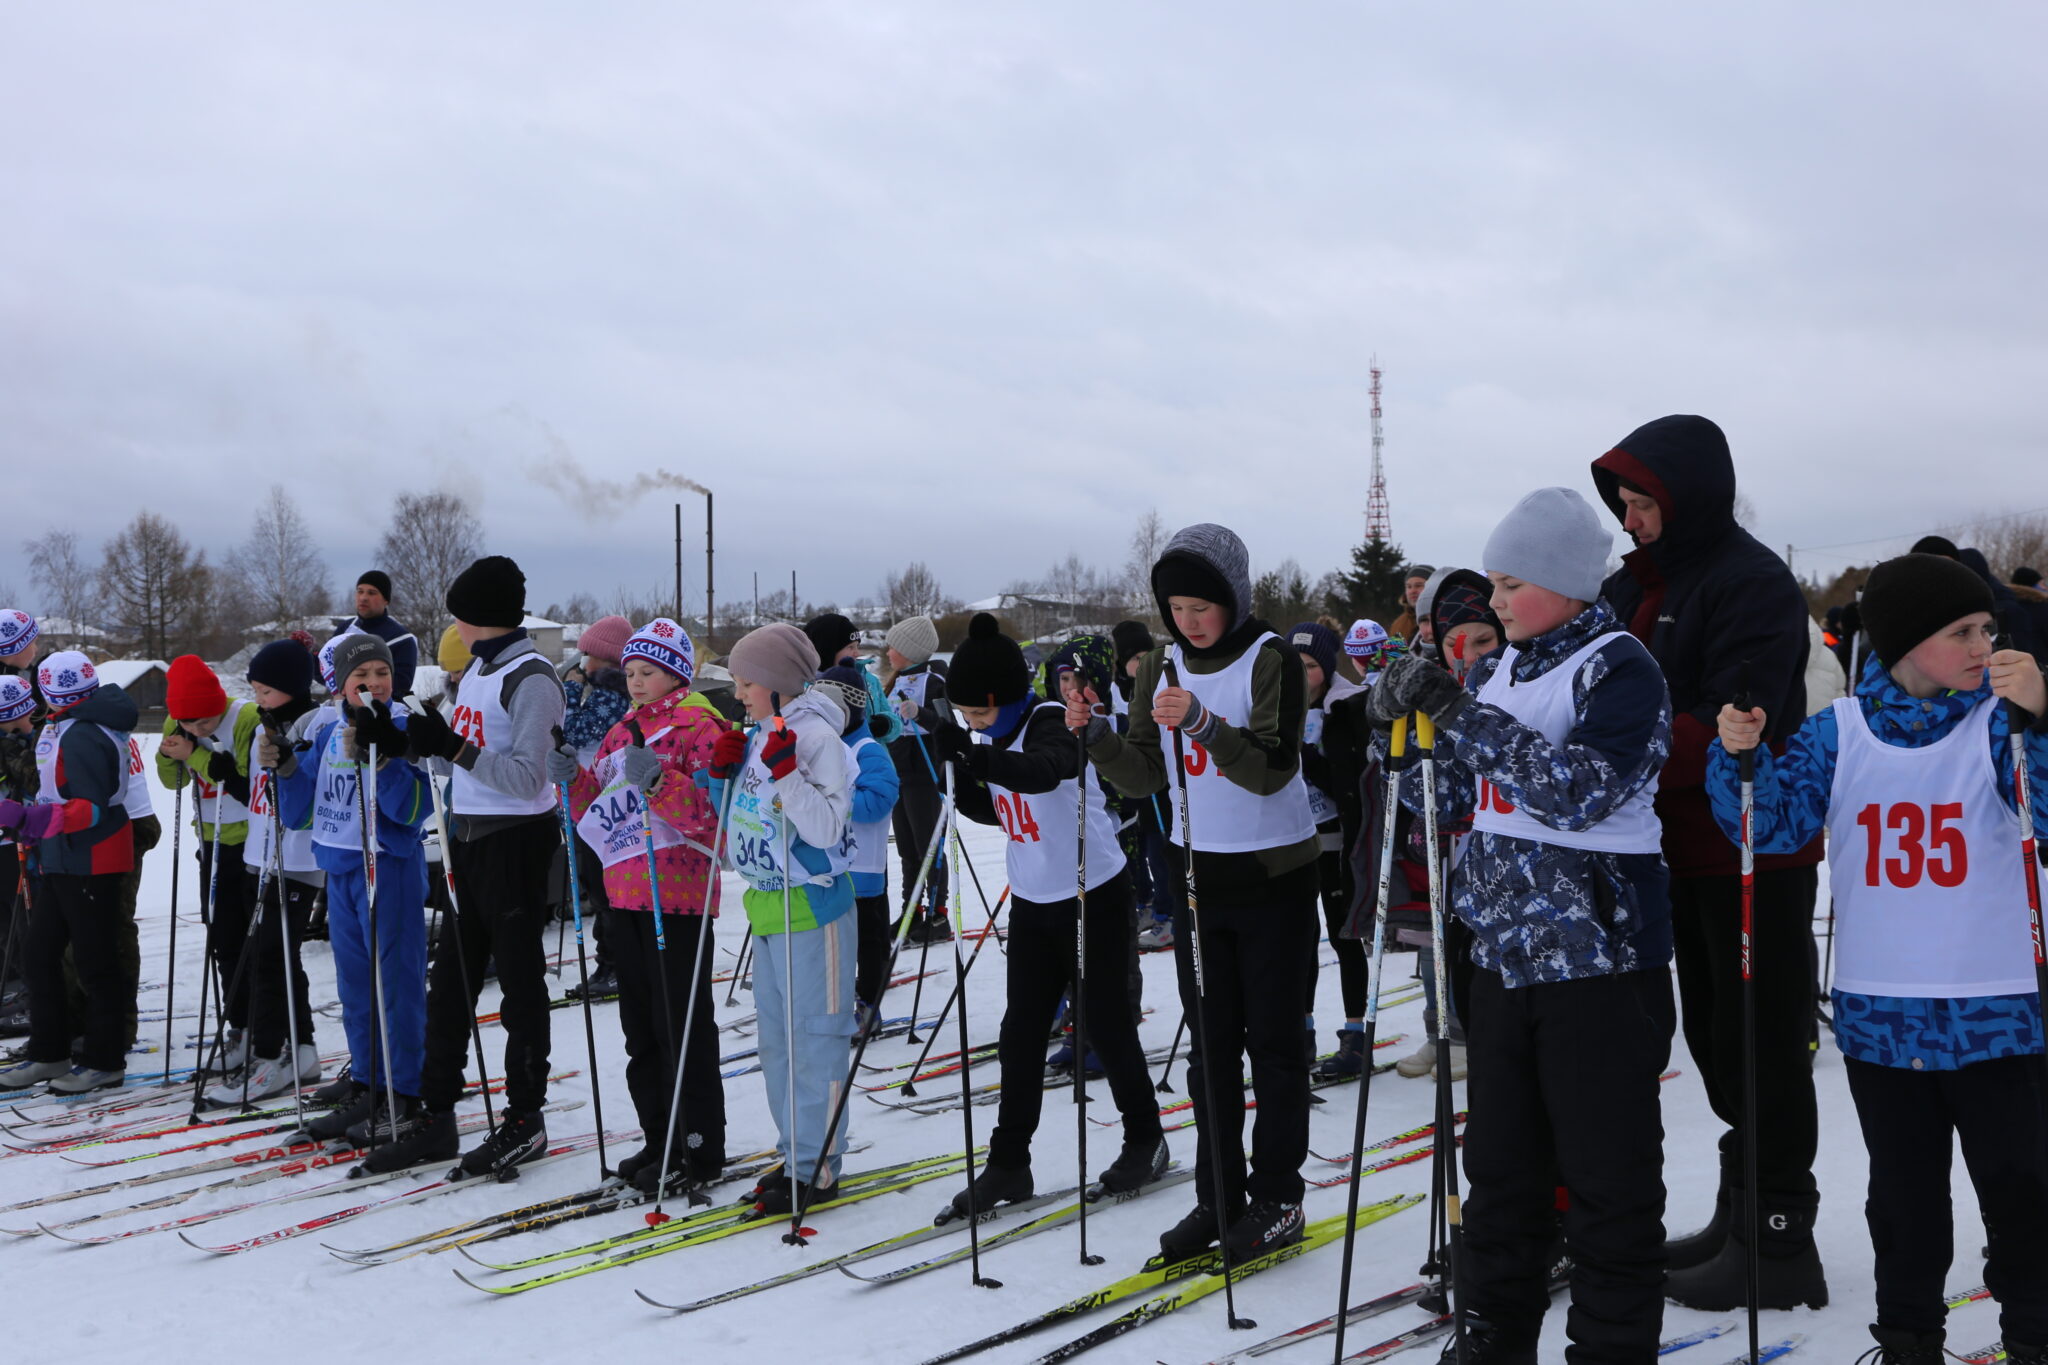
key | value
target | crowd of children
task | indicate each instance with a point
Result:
(1233, 784)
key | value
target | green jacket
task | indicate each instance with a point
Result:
(225, 771)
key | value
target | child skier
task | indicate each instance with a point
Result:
(917, 689)
(1240, 703)
(655, 753)
(1332, 787)
(206, 740)
(1556, 744)
(875, 788)
(281, 863)
(1024, 774)
(790, 835)
(320, 789)
(505, 832)
(79, 843)
(1937, 1010)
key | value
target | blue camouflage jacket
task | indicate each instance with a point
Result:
(1542, 912)
(1792, 792)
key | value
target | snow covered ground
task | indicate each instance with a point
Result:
(155, 1297)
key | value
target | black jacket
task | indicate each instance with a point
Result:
(1719, 612)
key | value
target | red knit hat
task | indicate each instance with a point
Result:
(193, 691)
(605, 638)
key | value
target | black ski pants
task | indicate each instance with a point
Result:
(1257, 949)
(285, 907)
(82, 913)
(1911, 1121)
(501, 886)
(655, 987)
(915, 821)
(1333, 886)
(1564, 1091)
(227, 927)
(1706, 919)
(871, 954)
(1040, 969)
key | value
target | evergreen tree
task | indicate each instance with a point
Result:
(1372, 586)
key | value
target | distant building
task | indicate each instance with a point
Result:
(143, 679)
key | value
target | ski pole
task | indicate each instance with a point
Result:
(952, 998)
(366, 815)
(284, 933)
(965, 860)
(861, 1044)
(2022, 791)
(699, 984)
(966, 1096)
(1397, 749)
(1080, 987)
(1165, 1086)
(171, 959)
(202, 1058)
(1447, 1108)
(739, 965)
(796, 1229)
(1211, 1133)
(1745, 763)
(604, 1168)
(453, 926)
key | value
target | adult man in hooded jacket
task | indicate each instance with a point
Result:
(1724, 617)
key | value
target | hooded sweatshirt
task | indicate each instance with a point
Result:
(1719, 612)
(1260, 752)
(89, 774)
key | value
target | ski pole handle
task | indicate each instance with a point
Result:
(1425, 732)
(1745, 762)
(1397, 740)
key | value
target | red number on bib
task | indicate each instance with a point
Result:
(1195, 761)
(1911, 824)
(1015, 814)
(469, 723)
(1491, 799)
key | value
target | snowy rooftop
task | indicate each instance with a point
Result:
(122, 672)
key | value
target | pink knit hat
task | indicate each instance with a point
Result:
(606, 638)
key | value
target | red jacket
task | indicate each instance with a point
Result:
(681, 729)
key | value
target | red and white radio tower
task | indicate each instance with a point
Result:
(1378, 525)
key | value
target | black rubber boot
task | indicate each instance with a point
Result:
(1789, 1273)
(993, 1185)
(1897, 1346)
(1683, 1253)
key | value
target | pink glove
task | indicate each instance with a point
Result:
(12, 813)
(41, 822)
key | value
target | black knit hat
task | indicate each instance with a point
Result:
(1935, 545)
(490, 592)
(1130, 638)
(1907, 599)
(1319, 642)
(830, 633)
(988, 669)
(284, 665)
(379, 580)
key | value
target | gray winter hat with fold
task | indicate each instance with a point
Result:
(1553, 539)
(916, 638)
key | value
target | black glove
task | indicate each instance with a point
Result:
(220, 766)
(375, 727)
(950, 741)
(1411, 683)
(428, 735)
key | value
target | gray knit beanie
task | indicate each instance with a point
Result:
(780, 658)
(352, 650)
(1552, 539)
(916, 639)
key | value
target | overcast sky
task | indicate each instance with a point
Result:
(979, 283)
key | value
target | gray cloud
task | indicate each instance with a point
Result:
(981, 284)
